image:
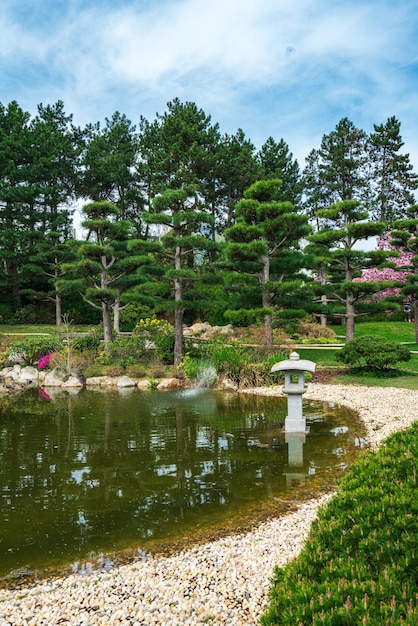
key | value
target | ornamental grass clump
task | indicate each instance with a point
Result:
(360, 563)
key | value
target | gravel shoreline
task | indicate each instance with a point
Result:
(224, 582)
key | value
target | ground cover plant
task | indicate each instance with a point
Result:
(359, 563)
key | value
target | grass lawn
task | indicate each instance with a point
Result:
(40, 329)
(394, 331)
(406, 376)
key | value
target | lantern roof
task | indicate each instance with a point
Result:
(294, 363)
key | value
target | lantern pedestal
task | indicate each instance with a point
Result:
(294, 387)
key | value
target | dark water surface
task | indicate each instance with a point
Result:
(91, 473)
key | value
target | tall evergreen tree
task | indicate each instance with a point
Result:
(264, 245)
(184, 220)
(109, 161)
(392, 178)
(276, 161)
(346, 223)
(99, 269)
(18, 193)
(180, 147)
(337, 171)
(238, 169)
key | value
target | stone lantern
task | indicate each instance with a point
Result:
(294, 387)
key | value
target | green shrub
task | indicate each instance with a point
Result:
(93, 370)
(88, 343)
(158, 334)
(39, 313)
(124, 351)
(136, 371)
(132, 314)
(6, 314)
(33, 348)
(360, 562)
(308, 330)
(230, 361)
(373, 352)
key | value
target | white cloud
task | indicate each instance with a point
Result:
(271, 67)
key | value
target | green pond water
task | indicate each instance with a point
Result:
(99, 473)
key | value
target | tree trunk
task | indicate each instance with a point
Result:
(265, 298)
(324, 299)
(116, 315)
(178, 311)
(107, 324)
(350, 318)
(58, 310)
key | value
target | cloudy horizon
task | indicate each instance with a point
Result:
(270, 68)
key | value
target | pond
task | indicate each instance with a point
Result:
(91, 475)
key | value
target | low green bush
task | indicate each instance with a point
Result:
(360, 563)
(158, 334)
(87, 343)
(124, 351)
(309, 331)
(33, 348)
(373, 352)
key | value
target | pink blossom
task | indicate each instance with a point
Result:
(376, 275)
(43, 361)
(43, 394)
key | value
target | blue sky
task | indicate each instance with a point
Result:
(290, 69)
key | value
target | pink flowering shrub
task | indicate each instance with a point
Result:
(43, 361)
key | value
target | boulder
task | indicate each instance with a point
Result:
(125, 381)
(144, 384)
(72, 381)
(228, 385)
(101, 381)
(55, 378)
(168, 383)
(28, 375)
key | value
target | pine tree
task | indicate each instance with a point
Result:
(100, 269)
(276, 161)
(263, 246)
(392, 177)
(337, 171)
(185, 221)
(345, 224)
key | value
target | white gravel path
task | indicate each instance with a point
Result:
(222, 583)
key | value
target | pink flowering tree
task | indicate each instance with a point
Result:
(398, 272)
(405, 238)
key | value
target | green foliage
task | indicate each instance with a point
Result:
(371, 351)
(132, 314)
(193, 368)
(246, 317)
(360, 562)
(244, 366)
(308, 329)
(87, 343)
(124, 351)
(6, 314)
(159, 334)
(33, 348)
(40, 313)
